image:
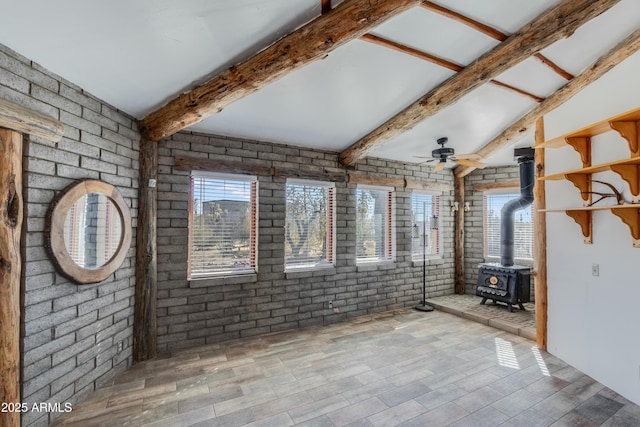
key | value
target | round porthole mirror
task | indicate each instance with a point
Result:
(88, 231)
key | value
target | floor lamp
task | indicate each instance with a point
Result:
(423, 306)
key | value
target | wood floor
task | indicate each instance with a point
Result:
(406, 368)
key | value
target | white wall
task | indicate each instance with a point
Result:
(593, 321)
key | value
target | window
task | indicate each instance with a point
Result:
(523, 222)
(222, 224)
(425, 227)
(374, 224)
(310, 224)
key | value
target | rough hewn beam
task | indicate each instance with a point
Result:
(390, 44)
(15, 117)
(348, 21)
(540, 246)
(10, 271)
(509, 136)
(145, 333)
(491, 32)
(554, 24)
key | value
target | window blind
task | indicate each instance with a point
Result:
(309, 225)
(223, 225)
(374, 224)
(523, 223)
(425, 213)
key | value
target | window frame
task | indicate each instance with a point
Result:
(515, 191)
(417, 255)
(254, 229)
(330, 201)
(388, 227)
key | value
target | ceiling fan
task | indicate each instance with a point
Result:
(442, 155)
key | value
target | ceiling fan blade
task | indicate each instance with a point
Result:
(469, 156)
(439, 167)
(472, 163)
(423, 157)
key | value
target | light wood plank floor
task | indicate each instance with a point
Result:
(405, 368)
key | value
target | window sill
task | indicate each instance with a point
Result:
(223, 280)
(375, 265)
(299, 273)
(430, 261)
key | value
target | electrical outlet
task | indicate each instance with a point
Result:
(595, 269)
(120, 346)
(330, 304)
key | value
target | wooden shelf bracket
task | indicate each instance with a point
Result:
(582, 144)
(631, 217)
(583, 183)
(631, 174)
(584, 220)
(629, 130)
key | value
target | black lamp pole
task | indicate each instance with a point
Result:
(423, 305)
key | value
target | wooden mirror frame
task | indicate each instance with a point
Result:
(54, 231)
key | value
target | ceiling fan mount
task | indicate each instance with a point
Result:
(442, 153)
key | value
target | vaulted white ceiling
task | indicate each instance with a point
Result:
(138, 54)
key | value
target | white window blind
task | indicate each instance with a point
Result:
(374, 224)
(222, 225)
(309, 227)
(523, 223)
(425, 227)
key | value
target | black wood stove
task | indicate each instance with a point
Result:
(504, 281)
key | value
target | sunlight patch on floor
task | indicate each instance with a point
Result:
(506, 355)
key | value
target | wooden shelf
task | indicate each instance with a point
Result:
(626, 124)
(628, 169)
(628, 213)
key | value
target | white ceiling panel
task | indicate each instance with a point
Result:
(534, 77)
(596, 37)
(330, 103)
(507, 16)
(469, 124)
(138, 54)
(437, 35)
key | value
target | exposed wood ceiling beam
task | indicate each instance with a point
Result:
(556, 23)
(619, 53)
(491, 32)
(311, 42)
(381, 41)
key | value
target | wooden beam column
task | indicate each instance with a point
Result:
(10, 271)
(145, 327)
(540, 242)
(459, 236)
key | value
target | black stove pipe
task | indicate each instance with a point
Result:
(525, 158)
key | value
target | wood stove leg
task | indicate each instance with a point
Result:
(510, 307)
(483, 300)
(521, 306)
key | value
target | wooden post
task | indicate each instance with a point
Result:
(459, 236)
(145, 333)
(540, 246)
(10, 271)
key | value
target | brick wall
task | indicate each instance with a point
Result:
(70, 332)
(474, 221)
(209, 311)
